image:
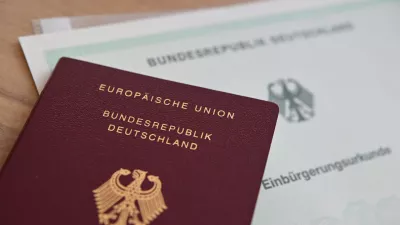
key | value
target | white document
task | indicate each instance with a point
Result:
(332, 66)
(57, 24)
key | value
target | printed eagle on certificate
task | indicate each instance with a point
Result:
(122, 205)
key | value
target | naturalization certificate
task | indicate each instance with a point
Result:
(332, 67)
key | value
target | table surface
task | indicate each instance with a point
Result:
(17, 92)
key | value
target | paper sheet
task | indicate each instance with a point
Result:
(332, 66)
(57, 24)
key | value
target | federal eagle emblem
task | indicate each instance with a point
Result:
(118, 204)
(296, 103)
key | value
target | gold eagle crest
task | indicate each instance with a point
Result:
(122, 205)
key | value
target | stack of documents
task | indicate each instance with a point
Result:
(51, 25)
(332, 66)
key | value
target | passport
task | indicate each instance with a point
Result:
(109, 147)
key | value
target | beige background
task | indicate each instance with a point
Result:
(17, 92)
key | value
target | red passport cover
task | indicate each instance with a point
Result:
(108, 147)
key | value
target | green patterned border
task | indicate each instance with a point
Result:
(52, 56)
